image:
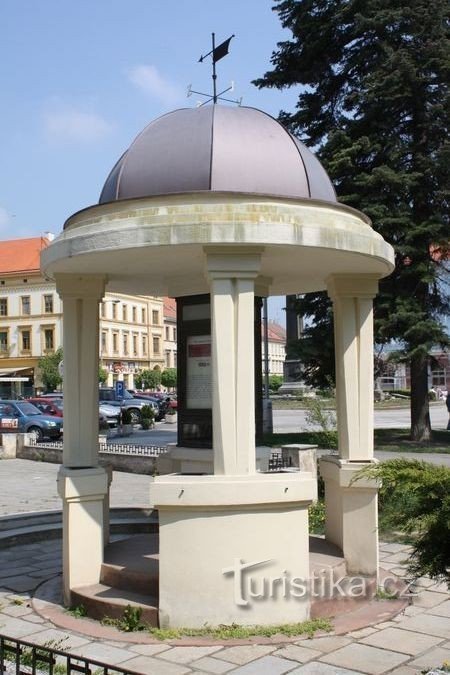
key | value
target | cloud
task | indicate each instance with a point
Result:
(149, 80)
(70, 124)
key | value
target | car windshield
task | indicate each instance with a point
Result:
(126, 394)
(58, 403)
(28, 408)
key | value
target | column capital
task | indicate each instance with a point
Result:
(232, 261)
(352, 285)
(80, 285)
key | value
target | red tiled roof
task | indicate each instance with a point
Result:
(170, 308)
(21, 255)
(275, 332)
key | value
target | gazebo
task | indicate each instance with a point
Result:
(222, 201)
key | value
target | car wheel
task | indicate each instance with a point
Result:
(37, 433)
(135, 416)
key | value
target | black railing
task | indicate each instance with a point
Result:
(108, 448)
(18, 657)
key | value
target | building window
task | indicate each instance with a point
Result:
(49, 341)
(167, 358)
(144, 345)
(103, 342)
(3, 341)
(174, 359)
(125, 343)
(155, 316)
(156, 345)
(167, 333)
(438, 378)
(3, 306)
(115, 342)
(114, 310)
(102, 310)
(26, 305)
(135, 345)
(134, 314)
(143, 316)
(48, 304)
(174, 334)
(124, 313)
(26, 340)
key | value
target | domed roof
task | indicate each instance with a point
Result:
(221, 149)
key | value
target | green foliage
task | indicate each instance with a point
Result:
(129, 622)
(169, 378)
(415, 499)
(316, 515)
(320, 415)
(275, 382)
(236, 631)
(126, 416)
(148, 379)
(102, 375)
(374, 102)
(79, 611)
(147, 417)
(48, 366)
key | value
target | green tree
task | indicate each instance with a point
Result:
(148, 379)
(374, 102)
(102, 375)
(169, 378)
(48, 365)
(275, 382)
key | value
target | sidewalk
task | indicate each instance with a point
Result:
(417, 639)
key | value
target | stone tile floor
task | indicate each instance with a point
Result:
(417, 639)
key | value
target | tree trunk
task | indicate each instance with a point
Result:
(420, 408)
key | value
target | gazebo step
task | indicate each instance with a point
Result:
(101, 601)
(133, 564)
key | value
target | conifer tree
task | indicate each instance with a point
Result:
(374, 104)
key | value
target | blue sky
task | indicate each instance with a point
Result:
(80, 79)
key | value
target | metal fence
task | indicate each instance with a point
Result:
(108, 448)
(18, 657)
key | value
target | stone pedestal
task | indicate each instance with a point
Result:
(351, 513)
(83, 492)
(200, 460)
(233, 549)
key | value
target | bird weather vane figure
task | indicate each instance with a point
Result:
(216, 54)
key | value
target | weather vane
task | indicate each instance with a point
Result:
(216, 54)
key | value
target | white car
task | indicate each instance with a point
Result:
(109, 412)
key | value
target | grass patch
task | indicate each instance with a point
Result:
(392, 440)
(233, 631)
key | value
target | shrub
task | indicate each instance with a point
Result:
(126, 416)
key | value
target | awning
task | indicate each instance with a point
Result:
(5, 375)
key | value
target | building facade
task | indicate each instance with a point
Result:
(31, 314)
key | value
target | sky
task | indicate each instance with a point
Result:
(80, 78)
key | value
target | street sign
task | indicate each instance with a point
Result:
(120, 389)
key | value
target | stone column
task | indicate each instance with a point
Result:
(232, 283)
(82, 484)
(351, 504)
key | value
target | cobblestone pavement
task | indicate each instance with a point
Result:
(415, 640)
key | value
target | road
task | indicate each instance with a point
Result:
(294, 420)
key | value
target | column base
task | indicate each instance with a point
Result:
(83, 492)
(351, 513)
(233, 549)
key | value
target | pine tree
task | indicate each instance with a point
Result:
(375, 104)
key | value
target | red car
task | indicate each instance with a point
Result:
(48, 406)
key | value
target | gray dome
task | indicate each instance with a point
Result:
(221, 149)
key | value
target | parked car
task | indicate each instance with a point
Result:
(107, 413)
(134, 405)
(24, 417)
(48, 406)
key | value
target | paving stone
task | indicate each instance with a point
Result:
(384, 624)
(298, 653)
(365, 659)
(15, 572)
(149, 650)
(241, 655)
(399, 640)
(268, 665)
(433, 659)
(147, 665)
(428, 624)
(429, 599)
(209, 664)
(16, 628)
(16, 610)
(325, 644)
(411, 610)
(59, 639)
(364, 632)
(316, 668)
(404, 670)
(394, 548)
(440, 610)
(19, 584)
(100, 652)
(188, 654)
(424, 582)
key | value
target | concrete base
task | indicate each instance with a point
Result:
(351, 513)
(83, 492)
(233, 549)
(200, 460)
